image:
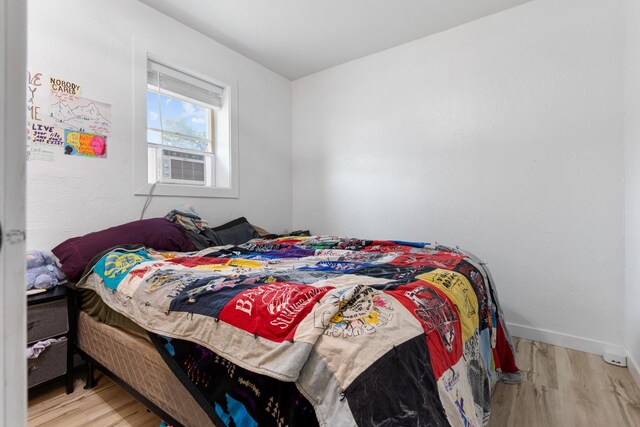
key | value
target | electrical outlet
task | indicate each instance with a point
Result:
(615, 358)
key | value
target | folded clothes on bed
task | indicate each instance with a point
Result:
(234, 232)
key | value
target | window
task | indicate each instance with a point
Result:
(185, 123)
(181, 111)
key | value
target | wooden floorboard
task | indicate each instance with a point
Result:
(565, 388)
(560, 388)
(105, 405)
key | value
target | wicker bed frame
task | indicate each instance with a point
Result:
(134, 364)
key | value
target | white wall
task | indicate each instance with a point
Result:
(89, 42)
(632, 156)
(503, 136)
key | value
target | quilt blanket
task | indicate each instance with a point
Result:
(371, 332)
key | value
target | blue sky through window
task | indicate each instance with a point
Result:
(179, 117)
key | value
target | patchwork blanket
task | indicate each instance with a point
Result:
(371, 332)
(231, 395)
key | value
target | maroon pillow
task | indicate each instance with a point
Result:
(156, 233)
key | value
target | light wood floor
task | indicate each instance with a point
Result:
(104, 405)
(560, 388)
(565, 388)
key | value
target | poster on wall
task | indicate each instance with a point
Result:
(84, 144)
(36, 97)
(57, 116)
(79, 114)
(40, 133)
(63, 86)
(39, 152)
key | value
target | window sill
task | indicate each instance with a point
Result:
(177, 190)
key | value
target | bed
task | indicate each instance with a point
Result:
(300, 331)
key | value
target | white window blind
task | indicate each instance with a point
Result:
(173, 81)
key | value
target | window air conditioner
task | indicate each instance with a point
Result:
(181, 167)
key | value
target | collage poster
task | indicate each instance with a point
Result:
(84, 144)
(57, 116)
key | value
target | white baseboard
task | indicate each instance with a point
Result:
(634, 368)
(563, 340)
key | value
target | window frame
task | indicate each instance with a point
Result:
(225, 148)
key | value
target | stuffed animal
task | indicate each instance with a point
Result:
(42, 270)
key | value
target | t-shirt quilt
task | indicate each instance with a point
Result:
(345, 331)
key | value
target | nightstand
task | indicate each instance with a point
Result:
(50, 315)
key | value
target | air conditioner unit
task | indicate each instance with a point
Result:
(181, 167)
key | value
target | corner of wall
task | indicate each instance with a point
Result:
(632, 177)
(634, 368)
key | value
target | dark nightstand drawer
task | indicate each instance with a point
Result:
(47, 320)
(51, 363)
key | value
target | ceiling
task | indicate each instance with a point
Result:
(296, 38)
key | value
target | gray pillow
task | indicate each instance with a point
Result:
(235, 232)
